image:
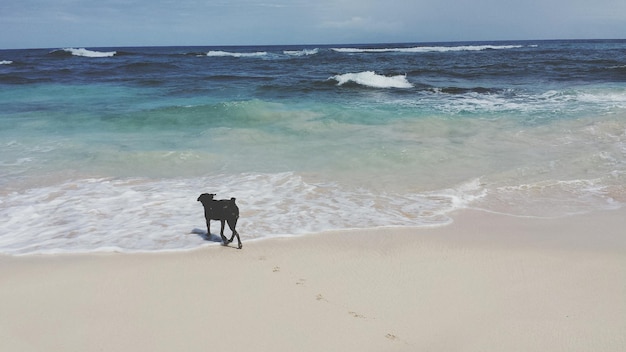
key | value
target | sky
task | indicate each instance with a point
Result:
(117, 23)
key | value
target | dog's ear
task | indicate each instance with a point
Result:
(205, 196)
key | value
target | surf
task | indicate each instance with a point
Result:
(221, 53)
(85, 52)
(151, 215)
(303, 52)
(426, 49)
(111, 154)
(371, 79)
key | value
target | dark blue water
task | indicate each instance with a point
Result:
(442, 65)
(308, 138)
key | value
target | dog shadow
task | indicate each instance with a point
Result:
(207, 236)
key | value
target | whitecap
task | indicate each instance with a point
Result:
(6, 62)
(425, 49)
(220, 53)
(371, 79)
(304, 52)
(89, 53)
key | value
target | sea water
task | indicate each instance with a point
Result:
(107, 149)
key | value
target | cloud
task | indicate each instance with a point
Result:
(44, 23)
(358, 29)
(354, 22)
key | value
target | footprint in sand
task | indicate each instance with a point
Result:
(356, 315)
(391, 336)
(276, 269)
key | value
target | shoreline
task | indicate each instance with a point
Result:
(461, 214)
(485, 282)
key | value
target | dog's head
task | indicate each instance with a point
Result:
(206, 197)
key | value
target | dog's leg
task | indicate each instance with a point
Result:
(208, 228)
(224, 239)
(232, 224)
(238, 240)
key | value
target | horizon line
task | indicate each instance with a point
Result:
(316, 44)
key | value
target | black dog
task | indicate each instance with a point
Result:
(224, 210)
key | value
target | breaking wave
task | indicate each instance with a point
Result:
(85, 52)
(371, 79)
(426, 49)
(304, 52)
(220, 53)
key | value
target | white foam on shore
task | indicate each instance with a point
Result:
(552, 199)
(137, 215)
(146, 215)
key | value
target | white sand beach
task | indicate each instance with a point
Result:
(485, 283)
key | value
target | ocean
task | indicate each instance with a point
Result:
(107, 149)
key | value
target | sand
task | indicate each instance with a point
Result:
(485, 283)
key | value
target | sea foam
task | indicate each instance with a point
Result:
(6, 62)
(220, 53)
(303, 52)
(425, 49)
(371, 79)
(136, 215)
(89, 53)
